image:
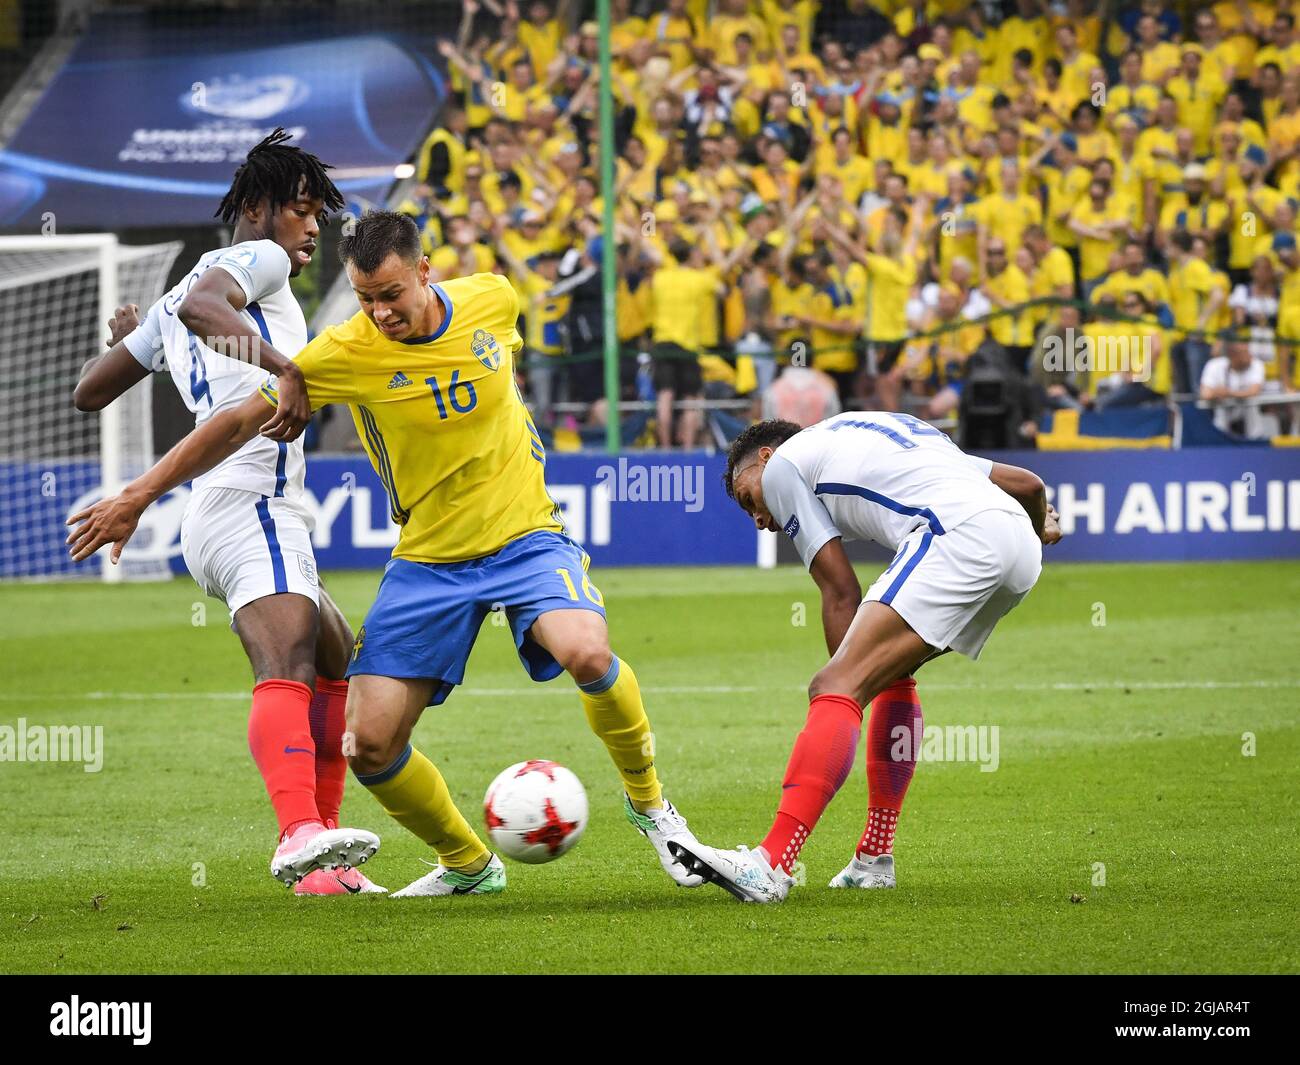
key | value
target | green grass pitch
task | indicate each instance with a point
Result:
(1125, 779)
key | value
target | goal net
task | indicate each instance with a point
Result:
(56, 297)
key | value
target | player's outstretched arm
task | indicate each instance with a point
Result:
(841, 592)
(113, 521)
(1027, 489)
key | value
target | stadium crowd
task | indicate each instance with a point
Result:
(951, 207)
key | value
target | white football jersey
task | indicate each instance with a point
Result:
(210, 381)
(872, 475)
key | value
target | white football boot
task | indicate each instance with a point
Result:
(742, 872)
(443, 881)
(877, 872)
(313, 846)
(662, 827)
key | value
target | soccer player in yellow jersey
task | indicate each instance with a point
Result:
(428, 373)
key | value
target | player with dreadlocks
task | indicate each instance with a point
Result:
(246, 531)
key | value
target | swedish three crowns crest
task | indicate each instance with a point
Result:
(485, 348)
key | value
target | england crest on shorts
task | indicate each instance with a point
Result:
(485, 348)
(307, 566)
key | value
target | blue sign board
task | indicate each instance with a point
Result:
(662, 508)
(145, 128)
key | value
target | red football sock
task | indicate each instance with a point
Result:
(819, 764)
(280, 738)
(328, 723)
(893, 739)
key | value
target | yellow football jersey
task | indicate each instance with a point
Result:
(442, 421)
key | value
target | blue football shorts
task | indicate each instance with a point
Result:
(427, 615)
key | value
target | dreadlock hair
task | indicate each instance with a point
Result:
(771, 434)
(276, 172)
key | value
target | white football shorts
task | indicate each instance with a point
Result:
(240, 546)
(952, 589)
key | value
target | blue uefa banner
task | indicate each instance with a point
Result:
(647, 508)
(145, 128)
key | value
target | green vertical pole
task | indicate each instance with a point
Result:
(608, 244)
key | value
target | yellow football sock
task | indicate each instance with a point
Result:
(416, 797)
(616, 714)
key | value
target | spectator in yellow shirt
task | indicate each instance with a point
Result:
(543, 314)
(1195, 303)
(681, 289)
(1095, 141)
(1133, 369)
(1025, 29)
(1005, 285)
(891, 271)
(1051, 273)
(672, 33)
(1159, 57)
(1100, 222)
(1137, 275)
(1135, 174)
(833, 320)
(1005, 216)
(1283, 47)
(852, 169)
(463, 254)
(1220, 55)
(1284, 130)
(1199, 95)
(541, 34)
(1076, 64)
(732, 18)
(1194, 210)
(777, 180)
(883, 135)
(1133, 95)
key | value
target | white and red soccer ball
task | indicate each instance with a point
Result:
(535, 811)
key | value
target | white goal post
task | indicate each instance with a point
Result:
(57, 294)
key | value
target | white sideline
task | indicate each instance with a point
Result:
(566, 691)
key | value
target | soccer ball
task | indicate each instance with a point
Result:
(535, 811)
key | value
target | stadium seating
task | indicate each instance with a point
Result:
(1096, 197)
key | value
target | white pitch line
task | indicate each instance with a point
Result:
(563, 691)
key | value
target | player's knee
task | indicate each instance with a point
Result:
(588, 661)
(333, 650)
(373, 749)
(299, 668)
(832, 679)
(822, 683)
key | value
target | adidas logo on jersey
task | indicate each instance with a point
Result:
(400, 380)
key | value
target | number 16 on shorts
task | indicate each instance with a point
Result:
(588, 589)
